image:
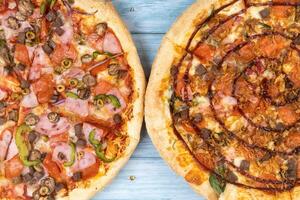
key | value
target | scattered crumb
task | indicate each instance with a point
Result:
(132, 178)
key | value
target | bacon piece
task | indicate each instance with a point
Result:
(111, 43)
(45, 127)
(78, 106)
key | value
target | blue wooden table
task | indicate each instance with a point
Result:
(148, 21)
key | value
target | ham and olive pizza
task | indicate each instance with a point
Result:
(222, 105)
(71, 98)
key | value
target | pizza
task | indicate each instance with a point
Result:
(71, 98)
(222, 104)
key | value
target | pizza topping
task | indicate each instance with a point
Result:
(13, 115)
(13, 167)
(13, 23)
(84, 93)
(25, 8)
(23, 147)
(265, 13)
(77, 106)
(64, 154)
(4, 144)
(87, 58)
(101, 29)
(117, 118)
(29, 100)
(89, 80)
(111, 44)
(102, 99)
(245, 165)
(77, 176)
(53, 117)
(31, 119)
(50, 129)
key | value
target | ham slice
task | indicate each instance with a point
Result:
(4, 144)
(45, 127)
(78, 106)
(63, 148)
(30, 100)
(3, 94)
(87, 128)
(117, 94)
(68, 33)
(88, 159)
(41, 64)
(111, 44)
(74, 73)
(12, 150)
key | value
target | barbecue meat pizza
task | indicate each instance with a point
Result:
(71, 98)
(222, 105)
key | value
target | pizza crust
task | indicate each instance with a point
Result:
(158, 118)
(107, 13)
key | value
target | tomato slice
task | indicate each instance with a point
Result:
(22, 55)
(103, 87)
(44, 88)
(13, 168)
(60, 138)
(52, 168)
(91, 171)
(63, 51)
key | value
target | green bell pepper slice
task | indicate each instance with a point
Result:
(92, 139)
(73, 153)
(100, 154)
(112, 99)
(22, 146)
(98, 148)
(72, 95)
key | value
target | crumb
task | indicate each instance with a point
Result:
(132, 178)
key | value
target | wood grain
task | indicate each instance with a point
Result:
(150, 16)
(148, 21)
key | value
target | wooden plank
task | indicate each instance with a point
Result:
(150, 16)
(147, 46)
(153, 181)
